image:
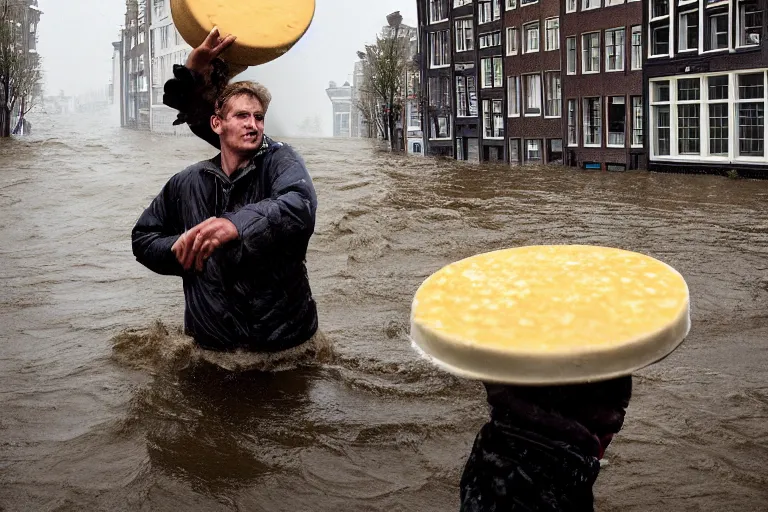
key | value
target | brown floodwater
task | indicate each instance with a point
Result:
(99, 409)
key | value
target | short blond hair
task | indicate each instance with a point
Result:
(247, 88)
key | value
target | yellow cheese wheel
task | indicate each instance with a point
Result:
(265, 29)
(550, 314)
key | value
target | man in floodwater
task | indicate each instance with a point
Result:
(542, 447)
(235, 227)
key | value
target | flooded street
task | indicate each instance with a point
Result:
(95, 420)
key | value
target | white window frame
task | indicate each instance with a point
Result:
(600, 127)
(539, 96)
(682, 33)
(468, 42)
(495, 83)
(432, 19)
(513, 104)
(670, 40)
(541, 151)
(634, 66)
(732, 101)
(611, 3)
(510, 5)
(740, 28)
(571, 6)
(491, 104)
(590, 5)
(583, 54)
(432, 55)
(575, 62)
(546, 89)
(607, 101)
(706, 34)
(547, 30)
(633, 119)
(461, 3)
(622, 46)
(512, 34)
(575, 103)
(526, 40)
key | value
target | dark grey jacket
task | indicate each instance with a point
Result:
(253, 292)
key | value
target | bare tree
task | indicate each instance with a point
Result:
(384, 65)
(19, 69)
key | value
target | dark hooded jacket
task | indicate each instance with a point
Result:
(542, 447)
(253, 292)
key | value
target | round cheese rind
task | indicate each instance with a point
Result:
(552, 314)
(265, 29)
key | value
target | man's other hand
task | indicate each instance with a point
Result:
(196, 245)
(201, 57)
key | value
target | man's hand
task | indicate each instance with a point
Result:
(196, 245)
(200, 58)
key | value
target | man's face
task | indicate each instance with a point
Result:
(241, 127)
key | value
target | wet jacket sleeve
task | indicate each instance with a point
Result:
(155, 233)
(284, 220)
(190, 94)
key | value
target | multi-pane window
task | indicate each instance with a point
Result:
(488, 10)
(512, 40)
(439, 90)
(440, 126)
(717, 30)
(531, 34)
(688, 116)
(513, 96)
(592, 121)
(573, 115)
(751, 110)
(589, 4)
(532, 95)
(590, 47)
(493, 119)
(718, 114)
(438, 10)
(490, 39)
(439, 48)
(660, 39)
(614, 49)
(511, 4)
(465, 40)
(490, 68)
(616, 117)
(750, 22)
(552, 29)
(688, 30)
(570, 5)
(637, 120)
(659, 8)
(637, 47)
(553, 93)
(533, 153)
(466, 96)
(570, 48)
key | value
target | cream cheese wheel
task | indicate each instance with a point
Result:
(265, 29)
(550, 314)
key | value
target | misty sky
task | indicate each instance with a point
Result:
(76, 46)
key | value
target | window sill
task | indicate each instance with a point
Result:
(660, 56)
(688, 50)
(438, 21)
(614, 70)
(659, 18)
(441, 138)
(530, 51)
(513, 116)
(552, 117)
(637, 146)
(511, 54)
(615, 146)
(494, 138)
(572, 145)
(442, 66)
(718, 50)
(590, 9)
(551, 49)
(590, 72)
(532, 115)
(571, 12)
(593, 145)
